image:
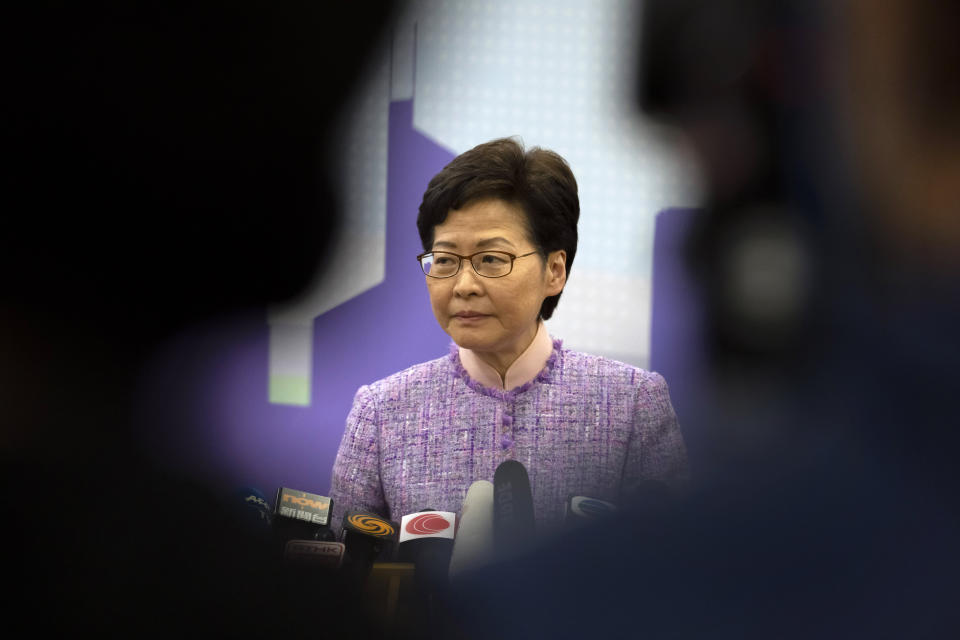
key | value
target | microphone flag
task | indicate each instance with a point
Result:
(300, 505)
(316, 553)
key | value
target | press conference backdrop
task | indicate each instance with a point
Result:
(262, 397)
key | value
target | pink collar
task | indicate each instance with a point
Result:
(523, 370)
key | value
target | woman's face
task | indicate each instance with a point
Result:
(495, 317)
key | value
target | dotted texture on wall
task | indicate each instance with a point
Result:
(562, 75)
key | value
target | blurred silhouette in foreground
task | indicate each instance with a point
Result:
(827, 256)
(165, 166)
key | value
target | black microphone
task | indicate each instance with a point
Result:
(302, 533)
(250, 524)
(308, 559)
(426, 540)
(366, 537)
(253, 510)
(513, 521)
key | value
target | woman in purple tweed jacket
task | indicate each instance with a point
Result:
(499, 231)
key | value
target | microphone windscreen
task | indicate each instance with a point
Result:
(473, 545)
(367, 536)
(513, 520)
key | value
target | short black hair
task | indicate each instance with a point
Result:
(538, 181)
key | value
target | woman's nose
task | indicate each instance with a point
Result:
(467, 281)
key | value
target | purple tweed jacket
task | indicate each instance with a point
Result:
(586, 425)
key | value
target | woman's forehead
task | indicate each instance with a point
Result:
(482, 223)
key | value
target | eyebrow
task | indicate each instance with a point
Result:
(486, 242)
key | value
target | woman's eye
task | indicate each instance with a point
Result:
(489, 258)
(442, 261)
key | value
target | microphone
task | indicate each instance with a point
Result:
(513, 522)
(426, 540)
(309, 560)
(250, 524)
(300, 526)
(582, 509)
(253, 510)
(473, 545)
(365, 537)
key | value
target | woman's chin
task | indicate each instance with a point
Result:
(466, 339)
(468, 343)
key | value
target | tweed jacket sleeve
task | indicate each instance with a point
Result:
(656, 448)
(356, 473)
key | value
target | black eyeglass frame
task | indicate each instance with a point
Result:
(469, 258)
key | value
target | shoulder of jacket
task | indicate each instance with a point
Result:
(413, 375)
(585, 363)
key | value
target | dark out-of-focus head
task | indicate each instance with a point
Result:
(165, 168)
(538, 181)
(166, 164)
(169, 159)
(900, 100)
(828, 138)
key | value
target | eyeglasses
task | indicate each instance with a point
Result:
(489, 264)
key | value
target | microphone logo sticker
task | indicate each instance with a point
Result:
(300, 505)
(314, 552)
(371, 525)
(426, 524)
(260, 502)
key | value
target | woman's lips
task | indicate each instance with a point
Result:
(469, 317)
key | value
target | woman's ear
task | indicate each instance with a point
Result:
(556, 272)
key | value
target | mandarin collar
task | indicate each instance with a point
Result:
(524, 369)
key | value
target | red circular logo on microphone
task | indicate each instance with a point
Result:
(427, 523)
